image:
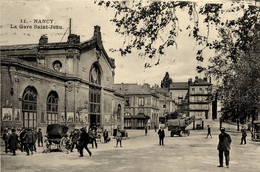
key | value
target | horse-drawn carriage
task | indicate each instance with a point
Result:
(57, 137)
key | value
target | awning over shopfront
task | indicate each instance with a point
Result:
(139, 116)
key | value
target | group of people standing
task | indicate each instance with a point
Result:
(25, 141)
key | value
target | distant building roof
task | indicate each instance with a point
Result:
(133, 88)
(179, 86)
(200, 82)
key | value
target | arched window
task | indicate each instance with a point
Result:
(95, 74)
(29, 107)
(52, 108)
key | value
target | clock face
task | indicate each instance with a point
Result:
(57, 65)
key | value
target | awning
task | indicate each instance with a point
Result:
(139, 116)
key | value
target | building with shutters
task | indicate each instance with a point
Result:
(69, 83)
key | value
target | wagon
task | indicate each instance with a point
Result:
(177, 127)
(57, 137)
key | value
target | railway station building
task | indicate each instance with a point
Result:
(68, 83)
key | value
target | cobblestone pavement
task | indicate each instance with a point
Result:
(142, 153)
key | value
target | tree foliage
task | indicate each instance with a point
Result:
(153, 27)
(167, 81)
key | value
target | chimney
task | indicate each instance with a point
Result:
(146, 86)
(97, 31)
(190, 81)
(43, 40)
(196, 77)
(73, 39)
(205, 79)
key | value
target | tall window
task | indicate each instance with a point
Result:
(94, 109)
(29, 108)
(52, 108)
(141, 101)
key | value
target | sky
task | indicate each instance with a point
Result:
(180, 62)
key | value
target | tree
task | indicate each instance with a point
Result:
(167, 81)
(153, 27)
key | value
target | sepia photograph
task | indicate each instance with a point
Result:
(130, 85)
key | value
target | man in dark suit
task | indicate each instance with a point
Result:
(29, 139)
(161, 136)
(74, 136)
(13, 141)
(22, 139)
(105, 134)
(224, 147)
(39, 137)
(83, 142)
(5, 138)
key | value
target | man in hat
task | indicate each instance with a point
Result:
(83, 142)
(34, 140)
(209, 131)
(13, 141)
(105, 134)
(74, 137)
(243, 138)
(39, 136)
(29, 138)
(161, 136)
(224, 147)
(22, 139)
(5, 138)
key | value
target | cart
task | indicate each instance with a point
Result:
(178, 127)
(255, 131)
(57, 137)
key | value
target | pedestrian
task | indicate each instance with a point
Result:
(5, 138)
(161, 136)
(209, 131)
(93, 136)
(34, 140)
(83, 142)
(22, 139)
(40, 138)
(118, 138)
(146, 130)
(29, 139)
(155, 128)
(74, 136)
(13, 142)
(224, 147)
(243, 138)
(105, 134)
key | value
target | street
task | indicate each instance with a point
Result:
(142, 153)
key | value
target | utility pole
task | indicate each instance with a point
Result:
(70, 27)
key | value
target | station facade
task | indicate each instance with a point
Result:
(68, 83)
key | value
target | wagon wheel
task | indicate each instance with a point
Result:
(63, 144)
(181, 133)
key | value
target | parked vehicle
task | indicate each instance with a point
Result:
(177, 127)
(57, 136)
(256, 131)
